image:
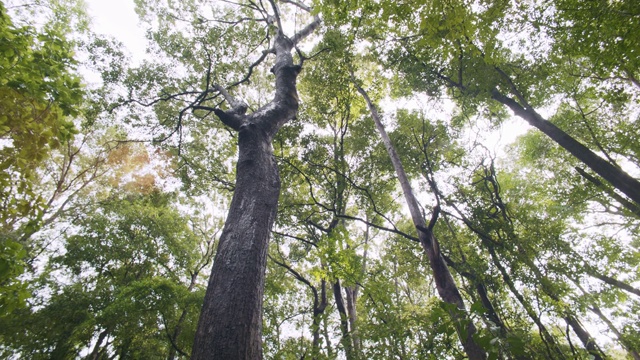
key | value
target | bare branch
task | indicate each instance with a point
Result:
(307, 30)
(238, 106)
(276, 14)
(300, 5)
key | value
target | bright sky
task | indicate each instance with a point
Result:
(118, 18)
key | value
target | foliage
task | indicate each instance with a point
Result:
(38, 92)
(106, 243)
(129, 272)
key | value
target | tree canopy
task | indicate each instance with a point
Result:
(443, 179)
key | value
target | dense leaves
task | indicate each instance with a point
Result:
(38, 92)
(109, 230)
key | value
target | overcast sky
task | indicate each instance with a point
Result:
(118, 18)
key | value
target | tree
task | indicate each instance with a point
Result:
(231, 318)
(38, 93)
(526, 249)
(455, 46)
(134, 264)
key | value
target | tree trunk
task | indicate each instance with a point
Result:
(546, 337)
(621, 340)
(95, 354)
(446, 286)
(629, 205)
(230, 324)
(614, 175)
(318, 310)
(352, 298)
(591, 271)
(584, 337)
(319, 306)
(344, 320)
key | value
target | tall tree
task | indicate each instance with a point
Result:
(454, 45)
(230, 325)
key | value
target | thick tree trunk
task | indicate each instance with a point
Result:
(446, 286)
(230, 324)
(614, 175)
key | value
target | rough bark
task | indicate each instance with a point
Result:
(614, 175)
(230, 324)
(446, 286)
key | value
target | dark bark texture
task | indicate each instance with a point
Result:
(230, 324)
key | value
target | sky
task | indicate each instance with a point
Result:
(118, 18)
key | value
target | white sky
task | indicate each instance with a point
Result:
(118, 18)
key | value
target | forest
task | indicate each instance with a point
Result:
(321, 179)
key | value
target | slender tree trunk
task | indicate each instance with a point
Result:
(614, 175)
(319, 305)
(570, 318)
(352, 297)
(177, 330)
(327, 338)
(584, 337)
(611, 281)
(546, 337)
(95, 354)
(634, 353)
(446, 286)
(344, 320)
(629, 205)
(230, 324)
(352, 301)
(492, 314)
